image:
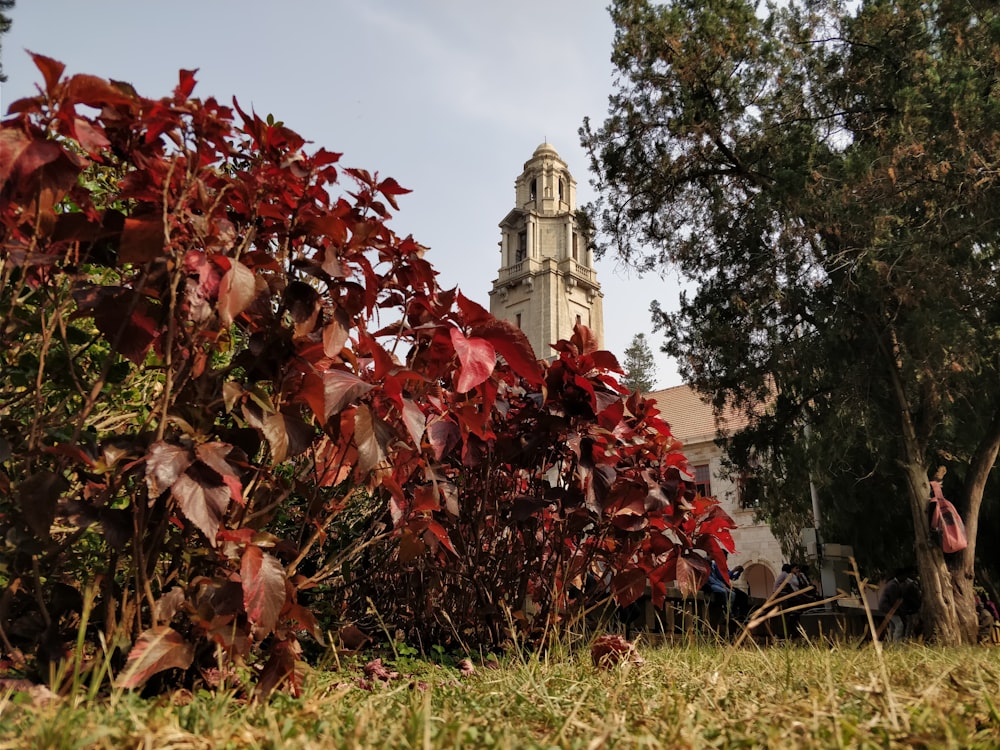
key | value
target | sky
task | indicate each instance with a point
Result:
(449, 97)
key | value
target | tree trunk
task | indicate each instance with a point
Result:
(939, 610)
(964, 569)
(942, 594)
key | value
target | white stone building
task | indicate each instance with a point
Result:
(546, 283)
(692, 422)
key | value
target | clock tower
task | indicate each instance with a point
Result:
(547, 282)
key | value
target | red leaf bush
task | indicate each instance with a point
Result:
(237, 404)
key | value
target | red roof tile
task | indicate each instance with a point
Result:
(690, 416)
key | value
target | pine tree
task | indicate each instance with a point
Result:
(5, 24)
(825, 178)
(640, 367)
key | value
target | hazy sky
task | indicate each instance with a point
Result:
(450, 97)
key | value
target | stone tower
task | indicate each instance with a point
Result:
(547, 282)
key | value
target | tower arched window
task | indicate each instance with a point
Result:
(533, 190)
(562, 189)
(522, 246)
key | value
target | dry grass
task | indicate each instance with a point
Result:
(787, 696)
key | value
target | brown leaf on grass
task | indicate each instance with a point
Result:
(377, 670)
(466, 667)
(608, 651)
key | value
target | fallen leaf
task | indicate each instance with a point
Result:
(608, 651)
(376, 669)
(466, 667)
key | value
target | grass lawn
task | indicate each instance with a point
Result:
(683, 696)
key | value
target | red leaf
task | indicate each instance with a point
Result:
(236, 291)
(94, 91)
(411, 547)
(51, 69)
(203, 498)
(466, 667)
(142, 241)
(390, 189)
(306, 619)
(12, 145)
(264, 591)
(335, 334)
(352, 637)
(425, 499)
(341, 388)
(38, 497)
(370, 450)
(473, 313)
(214, 455)
(512, 344)
(441, 534)
(377, 670)
(186, 84)
(132, 334)
(583, 339)
(610, 417)
(477, 357)
(692, 572)
(414, 420)
(609, 651)
(91, 137)
(588, 388)
(628, 586)
(280, 669)
(389, 186)
(287, 435)
(443, 435)
(156, 649)
(605, 360)
(164, 465)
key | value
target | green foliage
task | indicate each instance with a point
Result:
(5, 24)
(825, 174)
(640, 367)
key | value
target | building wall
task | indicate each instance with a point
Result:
(693, 422)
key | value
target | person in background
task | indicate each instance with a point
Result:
(986, 620)
(890, 600)
(736, 603)
(988, 603)
(787, 574)
(807, 590)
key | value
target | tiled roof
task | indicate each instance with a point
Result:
(690, 415)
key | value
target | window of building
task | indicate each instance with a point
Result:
(533, 190)
(522, 246)
(703, 480)
(562, 189)
(578, 320)
(518, 321)
(749, 494)
(576, 247)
